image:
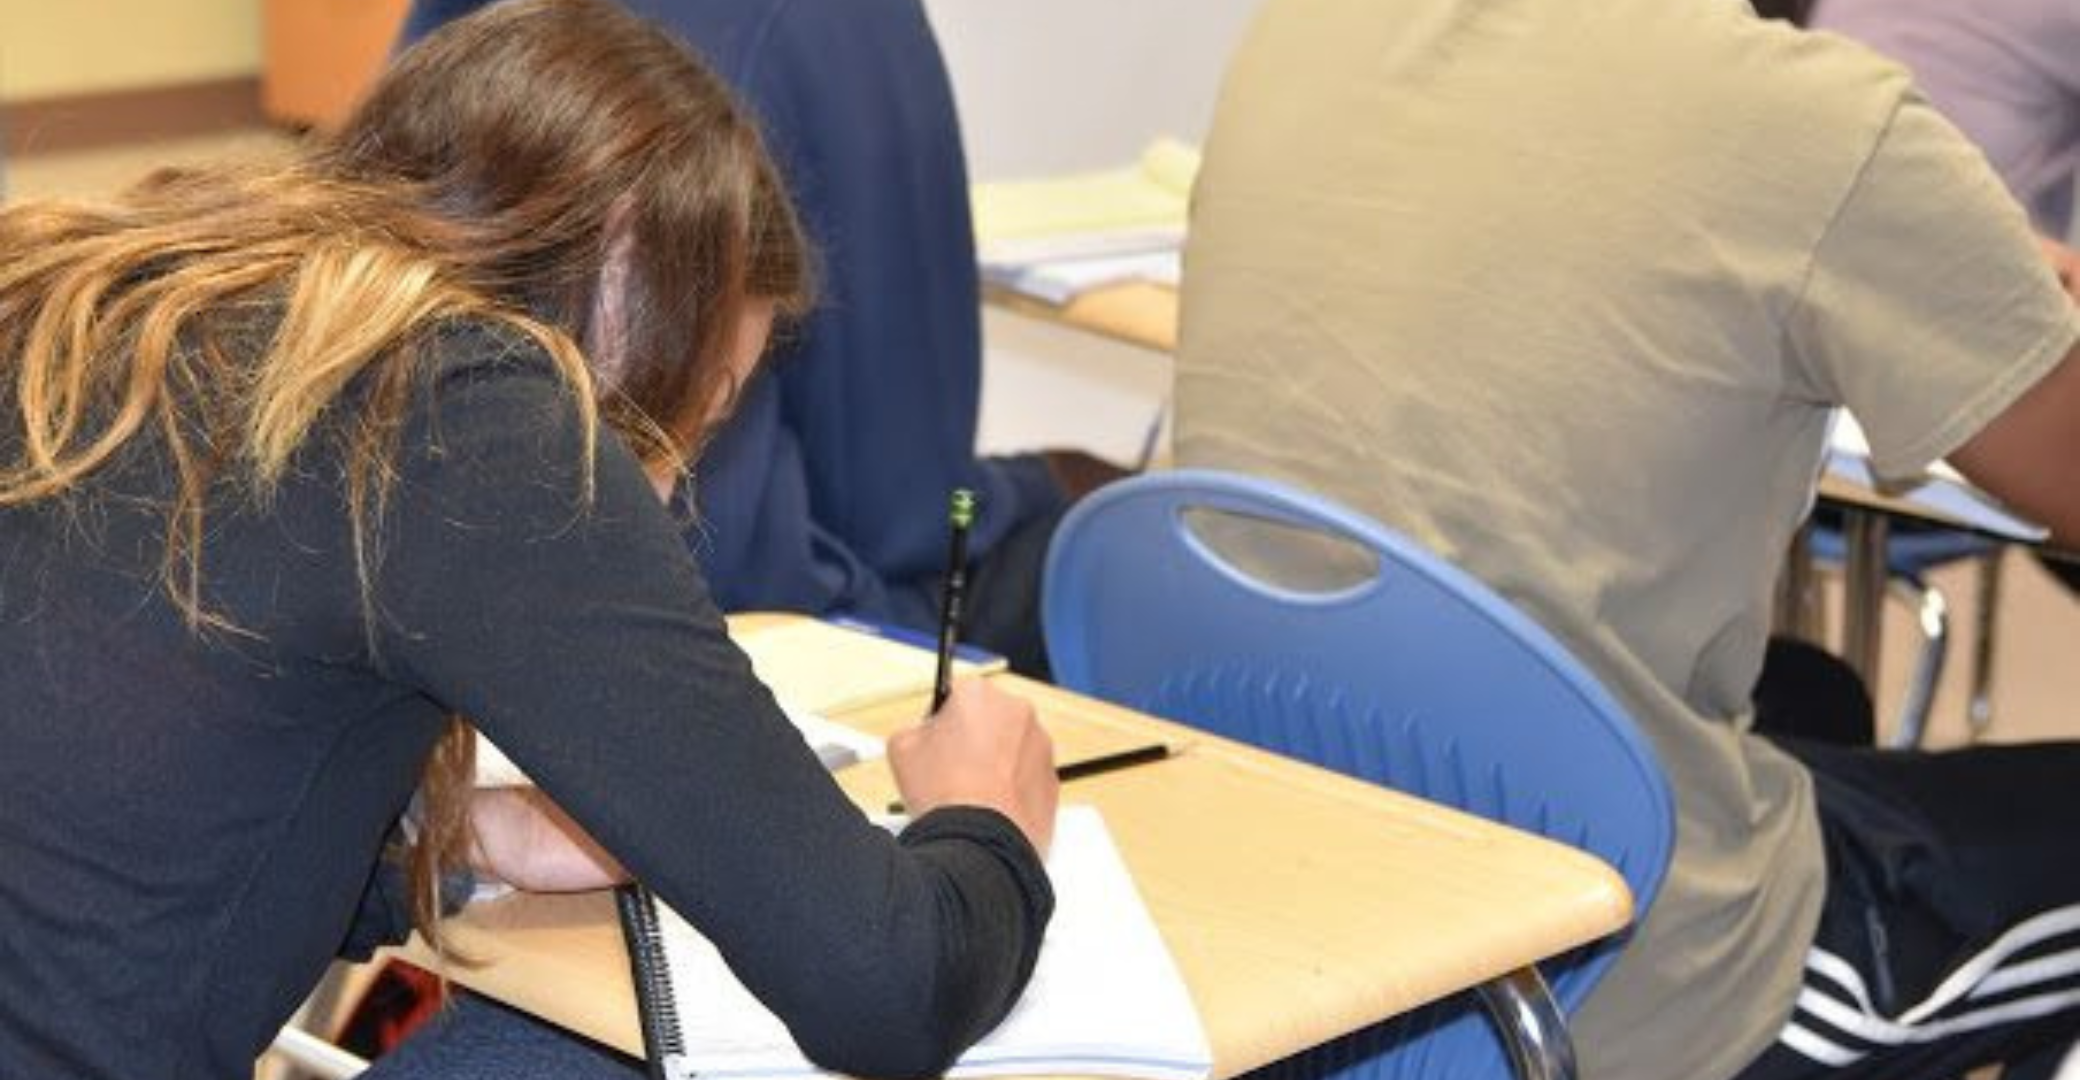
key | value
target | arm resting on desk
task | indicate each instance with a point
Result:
(2027, 454)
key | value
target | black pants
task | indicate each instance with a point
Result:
(1950, 935)
(1806, 692)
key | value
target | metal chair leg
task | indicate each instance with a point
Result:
(1531, 1024)
(1979, 709)
(1864, 577)
(1933, 614)
(1800, 609)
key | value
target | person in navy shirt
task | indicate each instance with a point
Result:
(826, 492)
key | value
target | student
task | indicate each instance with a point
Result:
(1566, 290)
(296, 462)
(824, 492)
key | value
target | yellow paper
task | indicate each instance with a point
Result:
(1153, 193)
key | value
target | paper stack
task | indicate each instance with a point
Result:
(1057, 238)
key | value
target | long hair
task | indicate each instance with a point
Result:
(500, 170)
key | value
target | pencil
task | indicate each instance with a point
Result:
(1094, 766)
(960, 517)
(1105, 763)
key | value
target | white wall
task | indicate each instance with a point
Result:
(1050, 86)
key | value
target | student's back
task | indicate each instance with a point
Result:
(186, 818)
(1566, 289)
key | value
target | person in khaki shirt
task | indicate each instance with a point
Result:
(1568, 291)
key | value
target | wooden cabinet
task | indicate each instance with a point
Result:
(319, 55)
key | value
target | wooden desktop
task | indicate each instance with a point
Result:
(1299, 904)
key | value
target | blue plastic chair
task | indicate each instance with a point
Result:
(1419, 678)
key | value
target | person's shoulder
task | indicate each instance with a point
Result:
(1812, 76)
(1816, 107)
(481, 346)
(463, 359)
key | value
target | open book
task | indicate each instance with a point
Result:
(1104, 1000)
(1056, 238)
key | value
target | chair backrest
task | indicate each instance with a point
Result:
(1418, 677)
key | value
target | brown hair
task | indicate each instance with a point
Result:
(499, 170)
(540, 130)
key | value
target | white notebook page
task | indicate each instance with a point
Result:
(1105, 998)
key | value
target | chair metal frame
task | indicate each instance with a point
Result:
(1908, 559)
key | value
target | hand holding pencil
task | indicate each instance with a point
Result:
(984, 748)
(980, 746)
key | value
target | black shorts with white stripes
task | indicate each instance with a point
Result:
(1950, 936)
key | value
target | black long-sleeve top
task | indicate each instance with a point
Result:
(187, 819)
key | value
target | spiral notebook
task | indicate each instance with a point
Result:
(1105, 998)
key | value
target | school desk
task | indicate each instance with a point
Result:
(1299, 904)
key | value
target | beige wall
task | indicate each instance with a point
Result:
(58, 48)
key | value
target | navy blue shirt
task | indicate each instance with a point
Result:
(827, 491)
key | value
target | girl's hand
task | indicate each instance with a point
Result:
(521, 838)
(984, 748)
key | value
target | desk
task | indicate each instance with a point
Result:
(1136, 312)
(1299, 904)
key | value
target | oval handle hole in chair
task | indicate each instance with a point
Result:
(1286, 561)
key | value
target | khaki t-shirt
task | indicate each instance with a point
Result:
(1566, 289)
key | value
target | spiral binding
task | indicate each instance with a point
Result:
(662, 1037)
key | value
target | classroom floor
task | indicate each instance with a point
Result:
(2036, 685)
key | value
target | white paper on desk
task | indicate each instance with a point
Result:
(1943, 490)
(835, 744)
(1104, 1000)
(1026, 252)
(1062, 280)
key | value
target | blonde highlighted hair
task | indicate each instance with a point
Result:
(496, 172)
